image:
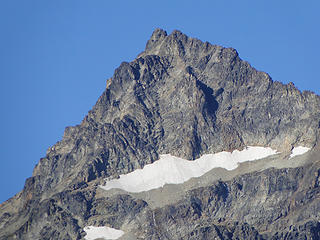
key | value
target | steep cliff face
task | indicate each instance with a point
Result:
(186, 98)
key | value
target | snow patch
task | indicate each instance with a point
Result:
(296, 151)
(101, 233)
(173, 170)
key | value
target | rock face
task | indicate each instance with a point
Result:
(187, 98)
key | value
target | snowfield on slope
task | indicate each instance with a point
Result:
(174, 170)
(102, 233)
(296, 151)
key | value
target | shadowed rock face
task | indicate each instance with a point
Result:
(187, 98)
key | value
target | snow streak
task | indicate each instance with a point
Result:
(102, 233)
(174, 170)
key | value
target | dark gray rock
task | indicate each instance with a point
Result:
(187, 98)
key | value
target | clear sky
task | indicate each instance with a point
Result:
(55, 57)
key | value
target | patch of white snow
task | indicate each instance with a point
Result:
(296, 151)
(101, 233)
(173, 170)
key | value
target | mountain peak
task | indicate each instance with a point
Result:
(157, 36)
(186, 99)
(158, 33)
(160, 43)
(179, 45)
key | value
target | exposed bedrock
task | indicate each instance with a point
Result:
(187, 98)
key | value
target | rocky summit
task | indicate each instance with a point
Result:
(181, 106)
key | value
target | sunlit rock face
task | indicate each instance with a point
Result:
(176, 106)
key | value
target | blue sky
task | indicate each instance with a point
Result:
(55, 57)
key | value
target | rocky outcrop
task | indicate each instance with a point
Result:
(187, 98)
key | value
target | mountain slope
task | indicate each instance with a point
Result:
(186, 98)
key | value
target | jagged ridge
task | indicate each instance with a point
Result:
(180, 96)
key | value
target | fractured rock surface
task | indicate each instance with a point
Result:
(187, 98)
